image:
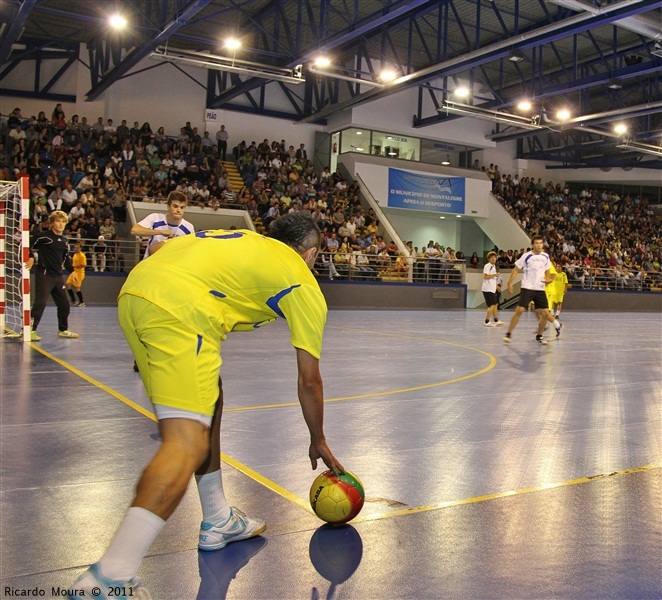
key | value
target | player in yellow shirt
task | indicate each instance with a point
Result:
(175, 309)
(75, 280)
(556, 290)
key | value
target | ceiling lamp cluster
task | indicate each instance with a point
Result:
(323, 66)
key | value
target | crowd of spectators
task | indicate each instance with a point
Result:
(601, 239)
(90, 170)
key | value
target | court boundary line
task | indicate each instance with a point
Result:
(301, 503)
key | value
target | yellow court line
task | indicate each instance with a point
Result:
(105, 388)
(487, 497)
(489, 367)
(292, 497)
(270, 485)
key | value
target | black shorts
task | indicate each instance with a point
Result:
(538, 297)
(490, 298)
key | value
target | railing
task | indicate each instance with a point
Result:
(359, 266)
(119, 256)
(614, 278)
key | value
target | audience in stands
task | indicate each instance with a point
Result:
(90, 171)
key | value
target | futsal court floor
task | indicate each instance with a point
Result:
(491, 471)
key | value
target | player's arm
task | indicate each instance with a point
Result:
(138, 229)
(548, 277)
(311, 397)
(511, 279)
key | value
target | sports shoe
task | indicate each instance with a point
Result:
(499, 323)
(81, 305)
(507, 339)
(34, 336)
(541, 340)
(92, 584)
(67, 334)
(238, 527)
(490, 324)
(558, 331)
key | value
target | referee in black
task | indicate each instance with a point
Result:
(51, 249)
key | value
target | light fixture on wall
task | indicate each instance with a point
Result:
(446, 161)
(231, 64)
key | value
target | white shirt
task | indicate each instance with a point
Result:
(533, 266)
(489, 285)
(157, 220)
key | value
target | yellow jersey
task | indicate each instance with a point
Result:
(79, 261)
(556, 289)
(223, 281)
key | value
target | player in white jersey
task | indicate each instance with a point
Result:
(159, 227)
(535, 265)
(490, 278)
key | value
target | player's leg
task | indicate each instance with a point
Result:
(221, 523)
(59, 295)
(43, 286)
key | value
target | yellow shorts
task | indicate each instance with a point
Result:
(76, 278)
(179, 367)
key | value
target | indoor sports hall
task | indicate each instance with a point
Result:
(490, 470)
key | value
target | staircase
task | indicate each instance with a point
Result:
(233, 175)
(235, 178)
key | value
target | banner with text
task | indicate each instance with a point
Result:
(425, 192)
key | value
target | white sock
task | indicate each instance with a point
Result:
(131, 542)
(556, 324)
(215, 508)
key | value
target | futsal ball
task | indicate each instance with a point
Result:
(337, 498)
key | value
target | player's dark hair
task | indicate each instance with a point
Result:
(297, 230)
(178, 196)
(537, 237)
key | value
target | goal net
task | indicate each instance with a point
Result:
(14, 253)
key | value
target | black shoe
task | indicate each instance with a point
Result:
(135, 366)
(558, 331)
(541, 340)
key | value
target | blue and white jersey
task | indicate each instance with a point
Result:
(533, 266)
(159, 221)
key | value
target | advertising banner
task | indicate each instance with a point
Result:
(425, 192)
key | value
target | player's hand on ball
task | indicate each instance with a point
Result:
(321, 450)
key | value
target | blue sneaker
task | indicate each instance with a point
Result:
(92, 584)
(238, 527)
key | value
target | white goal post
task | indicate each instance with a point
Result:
(14, 253)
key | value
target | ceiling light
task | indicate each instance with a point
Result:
(657, 49)
(388, 75)
(232, 44)
(117, 21)
(442, 217)
(359, 133)
(516, 56)
(322, 62)
(563, 114)
(639, 147)
(620, 128)
(447, 161)
(223, 63)
(459, 216)
(359, 149)
(494, 116)
(524, 105)
(461, 92)
(615, 84)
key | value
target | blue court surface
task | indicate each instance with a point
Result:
(490, 470)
